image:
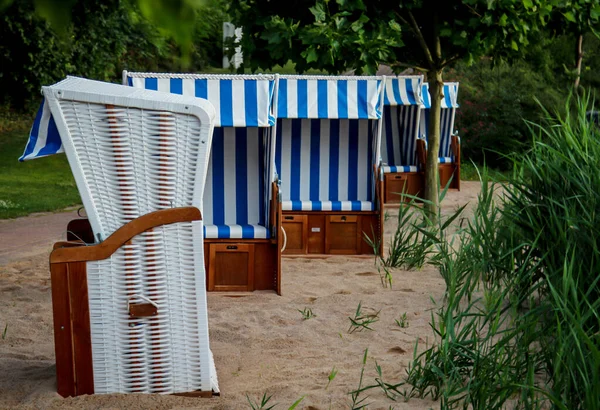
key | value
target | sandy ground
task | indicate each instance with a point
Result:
(260, 342)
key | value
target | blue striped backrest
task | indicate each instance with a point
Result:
(400, 133)
(240, 101)
(235, 191)
(403, 90)
(326, 160)
(329, 97)
(447, 114)
(446, 129)
(44, 138)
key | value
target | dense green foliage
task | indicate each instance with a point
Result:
(102, 39)
(519, 323)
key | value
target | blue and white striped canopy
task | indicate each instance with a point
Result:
(450, 99)
(329, 97)
(403, 90)
(44, 138)
(240, 101)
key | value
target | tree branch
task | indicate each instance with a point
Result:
(450, 60)
(417, 31)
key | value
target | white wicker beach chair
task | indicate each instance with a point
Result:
(130, 311)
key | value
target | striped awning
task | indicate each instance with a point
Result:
(450, 99)
(329, 97)
(44, 138)
(403, 90)
(240, 101)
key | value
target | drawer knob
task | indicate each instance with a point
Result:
(232, 247)
(288, 218)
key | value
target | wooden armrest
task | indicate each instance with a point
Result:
(77, 252)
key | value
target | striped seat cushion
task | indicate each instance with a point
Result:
(236, 232)
(445, 160)
(327, 206)
(388, 169)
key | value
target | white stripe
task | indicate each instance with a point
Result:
(262, 95)
(352, 101)
(211, 231)
(305, 165)
(312, 95)
(229, 188)
(403, 91)
(138, 82)
(363, 159)
(389, 91)
(235, 231)
(324, 159)
(286, 156)
(213, 91)
(164, 85)
(373, 98)
(189, 87)
(292, 100)
(252, 170)
(238, 105)
(332, 102)
(343, 161)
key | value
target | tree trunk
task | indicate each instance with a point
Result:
(578, 60)
(436, 87)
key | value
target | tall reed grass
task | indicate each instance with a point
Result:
(519, 326)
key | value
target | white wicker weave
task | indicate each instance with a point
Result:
(133, 152)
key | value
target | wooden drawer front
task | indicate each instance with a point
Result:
(396, 184)
(231, 267)
(446, 171)
(343, 234)
(343, 219)
(295, 227)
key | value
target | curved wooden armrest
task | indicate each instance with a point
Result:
(73, 252)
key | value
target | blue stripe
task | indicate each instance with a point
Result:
(201, 88)
(396, 91)
(226, 91)
(336, 206)
(353, 159)
(371, 156)
(223, 231)
(447, 96)
(389, 134)
(282, 99)
(130, 81)
(342, 98)
(278, 139)
(241, 176)
(295, 160)
(176, 85)
(426, 101)
(250, 103)
(410, 91)
(302, 99)
(151, 84)
(322, 98)
(264, 171)
(247, 232)
(53, 141)
(218, 168)
(334, 159)
(271, 97)
(363, 99)
(315, 159)
(296, 205)
(34, 133)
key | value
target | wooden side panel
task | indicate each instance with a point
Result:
(231, 267)
(63, 346)
(317, 233)
(295, 227)
(265, 266)
(80, 319)
(446, 171)
(80, 229)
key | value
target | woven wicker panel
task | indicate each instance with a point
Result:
(134, 161)
(166, 353)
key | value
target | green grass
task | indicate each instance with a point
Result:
(468, 172)
(41, 185)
